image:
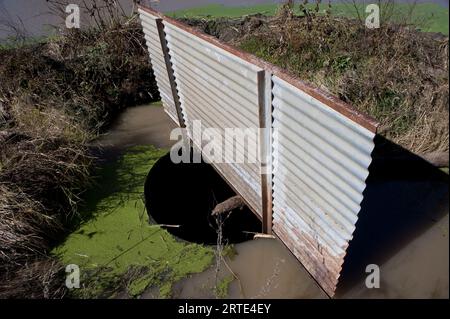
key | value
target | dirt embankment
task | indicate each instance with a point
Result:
(396, 74)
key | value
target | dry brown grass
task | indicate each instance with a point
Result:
(395, 74)
(45, 166)
(24, 224)
(36, 279)
(55, 97)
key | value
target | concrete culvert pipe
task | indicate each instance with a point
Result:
(185, 194)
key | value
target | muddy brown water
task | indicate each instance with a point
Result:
(140, 125)
(403, 228)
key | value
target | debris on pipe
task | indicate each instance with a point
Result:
(228, 205)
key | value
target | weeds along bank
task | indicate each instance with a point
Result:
(55, 97)
(396, 73)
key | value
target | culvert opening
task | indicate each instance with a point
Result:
(184, 194)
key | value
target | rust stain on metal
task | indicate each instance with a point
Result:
(311, 260)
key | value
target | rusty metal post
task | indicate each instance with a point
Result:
(265, 141)
(170, 73)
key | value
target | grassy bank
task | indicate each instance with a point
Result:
(55, 97)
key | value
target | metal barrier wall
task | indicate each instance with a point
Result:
(320, 147)
(321, 161)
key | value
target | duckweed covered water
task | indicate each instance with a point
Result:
(223, 286)
(116, 248)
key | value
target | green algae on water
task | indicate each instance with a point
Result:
(116, 248)
(222, 287)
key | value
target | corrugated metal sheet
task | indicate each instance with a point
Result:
(321, 161)
(220, 90)
(320, 148)
(158, 63)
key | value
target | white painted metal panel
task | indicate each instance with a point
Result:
(320, 161)
(152, 39)
(221, 90)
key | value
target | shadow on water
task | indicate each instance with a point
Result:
(404, 197)
(184, 194)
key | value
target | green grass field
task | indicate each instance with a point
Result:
(428, 17)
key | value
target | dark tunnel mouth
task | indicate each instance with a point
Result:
(184, 195)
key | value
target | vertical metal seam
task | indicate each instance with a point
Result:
(170, 72)
(264, 79)
(269, 128)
